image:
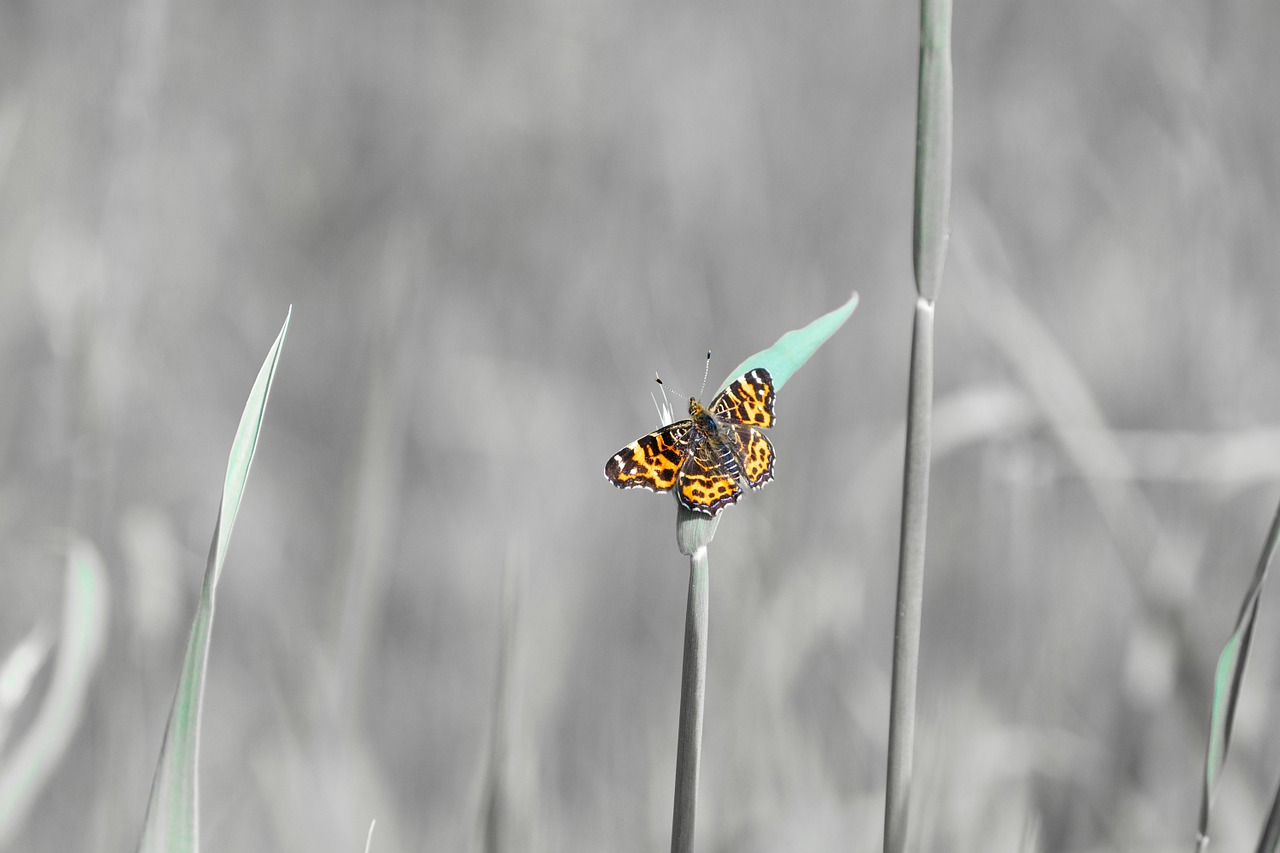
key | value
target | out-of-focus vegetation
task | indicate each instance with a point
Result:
(495, 220)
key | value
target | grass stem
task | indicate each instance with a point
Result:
(906, 635)
(692, 694)
(928, 254)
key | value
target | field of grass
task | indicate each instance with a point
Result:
(495, 221)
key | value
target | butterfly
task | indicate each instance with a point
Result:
(711, 457)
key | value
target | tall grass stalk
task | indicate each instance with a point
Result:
(929, 250)
(906, 635)
(693, 534)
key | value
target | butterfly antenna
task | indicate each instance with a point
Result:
(665, 386)
(664, 408)
(705, 371)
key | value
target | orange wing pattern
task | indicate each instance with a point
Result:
(748, 400)
(703, 484)
(651, 461)
(753, 452)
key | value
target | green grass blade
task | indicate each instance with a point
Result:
(243, 447)
(33, 760)
(1227, 680)
(1270, 839)
(794, 348)
(172, 821)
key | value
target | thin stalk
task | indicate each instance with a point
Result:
(929, 251)
(1270, 839)
(692, 693)
(906, 635)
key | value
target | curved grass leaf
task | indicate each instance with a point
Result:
(794, 348)
(172, 821)
(83, 636)
(1227, 680)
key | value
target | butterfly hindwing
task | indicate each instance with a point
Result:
(703, 486)
(747, 400)
(651, 461)
(753, 452)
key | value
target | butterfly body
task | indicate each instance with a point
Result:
(710, 431)
(711, 458)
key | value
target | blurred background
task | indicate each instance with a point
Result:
(495, 221)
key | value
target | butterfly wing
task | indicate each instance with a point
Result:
(651, 461)
(703, 485)
(753, 453)
(747, 400)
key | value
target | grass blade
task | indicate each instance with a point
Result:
(172, 820)
(1226, 684)
(928, 254)
(794, 348)
(83, 637)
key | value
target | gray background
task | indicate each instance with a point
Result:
(494, 221)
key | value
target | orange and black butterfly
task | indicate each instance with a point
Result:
(710, 458)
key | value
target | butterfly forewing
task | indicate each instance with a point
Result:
(651, 461)
(747, 400)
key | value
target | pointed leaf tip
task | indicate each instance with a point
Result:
(795, 347)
